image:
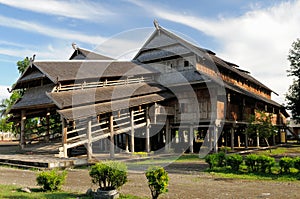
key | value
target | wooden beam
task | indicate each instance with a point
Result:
(22, 133)
(191, 138)
(64, 137)
(147, 130)
(132, 130)
(232, 138)
(47, 138)
(89, 143)
(215, 133)
(111, 129)
(168, 136)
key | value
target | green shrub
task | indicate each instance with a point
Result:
(158, 180)
(234, 161)
(265, 163)
(251, 162)
(215, 160)
(51, 180)
(297, 163)
(285, 164)
(211, 160)
(221, 159)
(109, 175)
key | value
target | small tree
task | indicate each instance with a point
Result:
(109, 175)
(293, 95)
(51, 180)
(158, 180)
(261, 125)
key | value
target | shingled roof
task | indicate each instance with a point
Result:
(88, 55)
(58, 71)
(201, 52)
(102, 94)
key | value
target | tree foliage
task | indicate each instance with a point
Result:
(23, 65)
(260, 124)
(293, 95)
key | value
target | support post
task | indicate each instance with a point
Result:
(257, 140)
(132, 131)
(89, 143)
(232, 138)
(168, 136)
(64, 137)
(215, 133)
(126, 143)
(239, 141)
(209, 138)
(246, 141)
(191, 138)
(111, 128)
(22, 133)
(47, 138)
(147, 130)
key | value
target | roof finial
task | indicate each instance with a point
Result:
(156, 24)
(74, 46)
(31, 60)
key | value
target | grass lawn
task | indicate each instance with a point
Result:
(14, 192)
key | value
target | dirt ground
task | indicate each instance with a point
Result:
(190, 183)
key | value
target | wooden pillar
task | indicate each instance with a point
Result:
(274, 140)
(232, 138)
(89, 143)
(246, 141)
(257, 140)
(111, 128)
(215, 133)
(47, 138)
(191, 138)
(168, 136)
(147, 131)
(64, 137)
(239, 141)
(132, 131)
(209, 138)
(22, 133)
(126, 143)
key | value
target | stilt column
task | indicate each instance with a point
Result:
(22, 134)
(147, 130)
(111, 128)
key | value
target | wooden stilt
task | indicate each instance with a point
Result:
(132, 131)
(147, 131)
(215, 133)
(64, 137)
(47, 138)
(232, 138)
(191, 138)
(168, 136)
(246, 141)
(22, 133)
(89, 144)
(111, 128)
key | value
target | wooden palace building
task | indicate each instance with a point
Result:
(173, 96)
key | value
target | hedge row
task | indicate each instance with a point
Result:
(254, 163)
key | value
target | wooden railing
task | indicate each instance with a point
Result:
(85, 85)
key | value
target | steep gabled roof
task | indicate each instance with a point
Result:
(88, 55)
(201, 52)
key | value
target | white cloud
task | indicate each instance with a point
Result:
(3, 92)
(85, 10)
(49, 31)
(258, 41)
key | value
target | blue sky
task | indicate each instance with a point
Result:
(254, 34)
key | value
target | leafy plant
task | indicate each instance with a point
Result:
(265, 163)
(51, 180)
(234, 161)
(109, 175)
(158, 180)
(216, 160)
(285, 164)
(297, 163)
(251, 162)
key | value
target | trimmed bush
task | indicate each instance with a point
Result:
(215, 160)
(285, 164)
(109, 175)
(51, 180)
(265, 163)
(234, 161)
(158, 180)
(251, 162)
(297, 163)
